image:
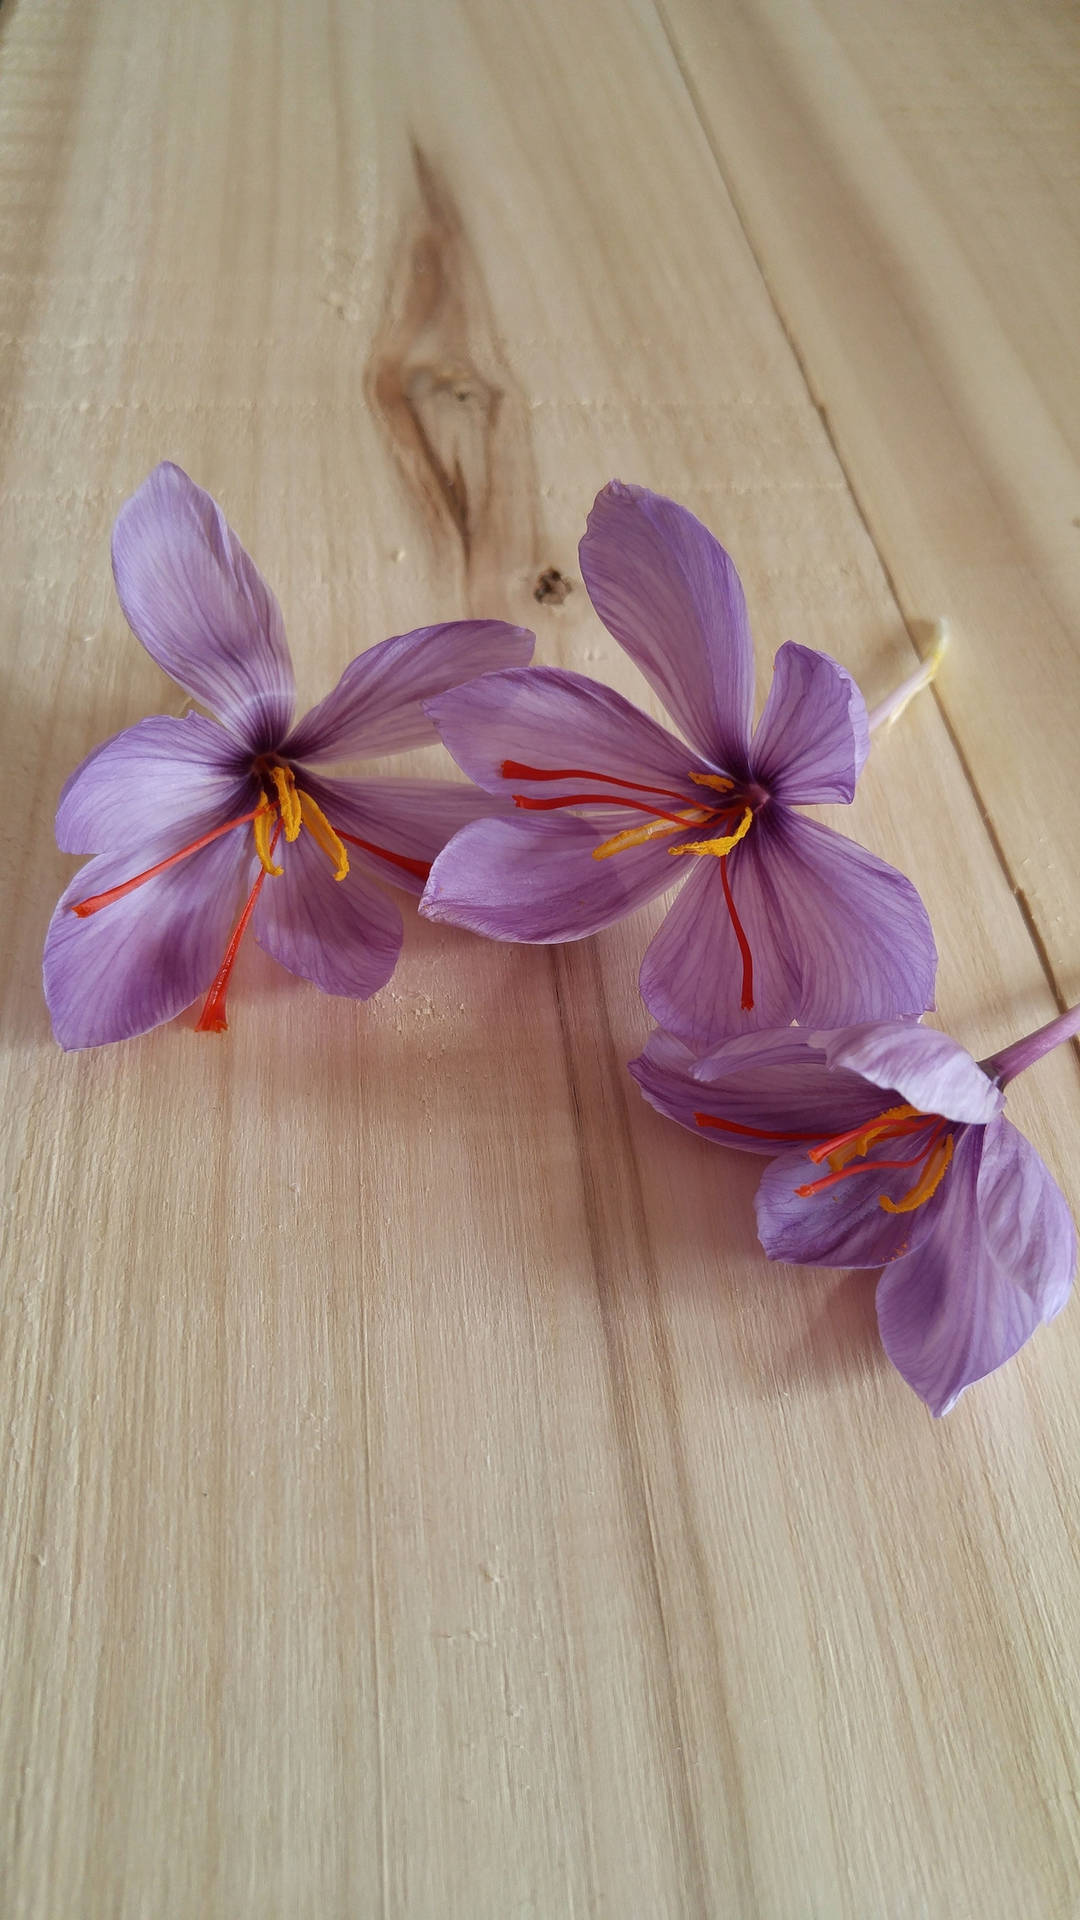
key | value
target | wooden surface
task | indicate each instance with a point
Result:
(420, 1497)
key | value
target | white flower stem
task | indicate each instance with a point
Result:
(889, 710)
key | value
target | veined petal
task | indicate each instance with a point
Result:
(998, 1261)
(812, 738)
(535, 880)
(763, 1088)
(411, 818)
(855, 928)
(158, 776)
(146, 957)
(845, 1225)
(692, 974)
(342, 935)
(773, 1083)
(670, 595)
(926, 1068)
(201, 607)
(547, 717)
(377, 706)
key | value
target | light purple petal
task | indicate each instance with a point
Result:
(845, 1226)
(377, 706)
(692, 974)
(413, 818)
(548, 717)
(812, 738)
(855, 927)
(773, 1084)
(142, 960)
(999, 1260)
(926, 1068)
(201, 607)
(535, 880)
(668, 592)
(158, 776)
(343, 935)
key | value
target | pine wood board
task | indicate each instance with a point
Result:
(907, 179)
(421, 1497)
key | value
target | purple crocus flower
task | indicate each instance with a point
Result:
(186, 816)
(780, 919)
(892, 1150)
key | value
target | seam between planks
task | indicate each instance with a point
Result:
(994, 838)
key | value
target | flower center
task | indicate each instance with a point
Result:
(852, 1152)
(731, 821)
(292, 809)
(284, 809)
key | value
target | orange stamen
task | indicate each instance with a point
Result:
(747, 1001)
(903, 1119)
(638, 836)
(212, 1018)
(725, 843)
(326, 837)
(928, 1182)
(421, 868)
(516, 770)
(98, 900)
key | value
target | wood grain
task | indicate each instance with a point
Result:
(908, 182)
(421, 1497)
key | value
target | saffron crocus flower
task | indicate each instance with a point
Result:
(780, 919)
(892, 1150)
(186, 817)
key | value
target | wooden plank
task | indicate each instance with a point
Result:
(908, 179)
(421, 1497)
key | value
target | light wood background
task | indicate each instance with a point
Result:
(420, 1497)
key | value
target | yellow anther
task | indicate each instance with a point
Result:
(928, 1182)
(877, 1129)
(263, 823)
(323, 833)
(723, 845)
(288, 800)
(717, 780)
(637, 836)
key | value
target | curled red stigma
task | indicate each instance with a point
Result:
(747, 1001)
(421, 868)
(98, 900)
(597, 800)
(212, 1018)
(517, 770)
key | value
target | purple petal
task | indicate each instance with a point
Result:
(855, 928)
(812, 738)
(201, 607)
(547, 717)
(158, 776)
(377, 706)
(772, 1084)
(667, 591)
(692, 974)
(999, 1260)
(145, 958)
(343, 935)
(845, 1225)
(665, 1074)
(536, 880)
(926, 1068)
(411, 818)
